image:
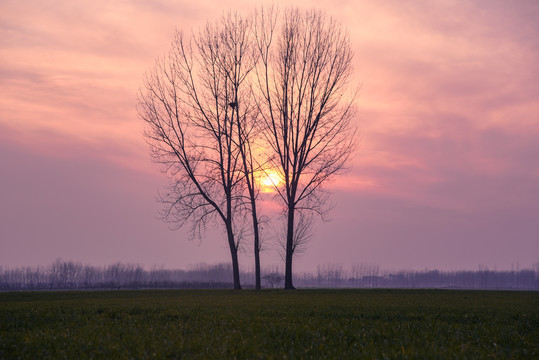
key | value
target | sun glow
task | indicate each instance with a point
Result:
(268, 180)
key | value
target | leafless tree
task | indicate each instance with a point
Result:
(305, 108)
(194, 102)
(237, 42)
(273, 279)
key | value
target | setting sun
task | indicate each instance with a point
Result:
(269, 180)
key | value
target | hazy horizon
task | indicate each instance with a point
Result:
(445, 178)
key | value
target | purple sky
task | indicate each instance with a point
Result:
(446, 177)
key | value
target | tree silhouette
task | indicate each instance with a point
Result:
(238, 99)
(192, 102)
(305, 108)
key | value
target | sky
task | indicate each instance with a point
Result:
(446, 175)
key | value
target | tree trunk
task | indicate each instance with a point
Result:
(256, 246)
(245, 151)
(234, 255)
(289, 249)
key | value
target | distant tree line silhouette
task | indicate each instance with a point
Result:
(65, 275)
(370, 276)
(72, 275)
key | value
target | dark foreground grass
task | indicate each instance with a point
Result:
(215, 324)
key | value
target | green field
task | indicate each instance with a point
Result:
(335, 324)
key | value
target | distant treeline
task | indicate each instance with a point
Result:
(72, 275)
(370, 276)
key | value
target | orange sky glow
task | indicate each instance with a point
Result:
(446, 175)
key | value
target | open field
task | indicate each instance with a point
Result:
(190, 324)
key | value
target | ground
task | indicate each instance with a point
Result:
(274, 324)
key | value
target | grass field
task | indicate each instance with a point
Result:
(336, 324)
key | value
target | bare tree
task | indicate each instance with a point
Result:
(305, 108)
(238, 43)
(274, 279)
(192, 103)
